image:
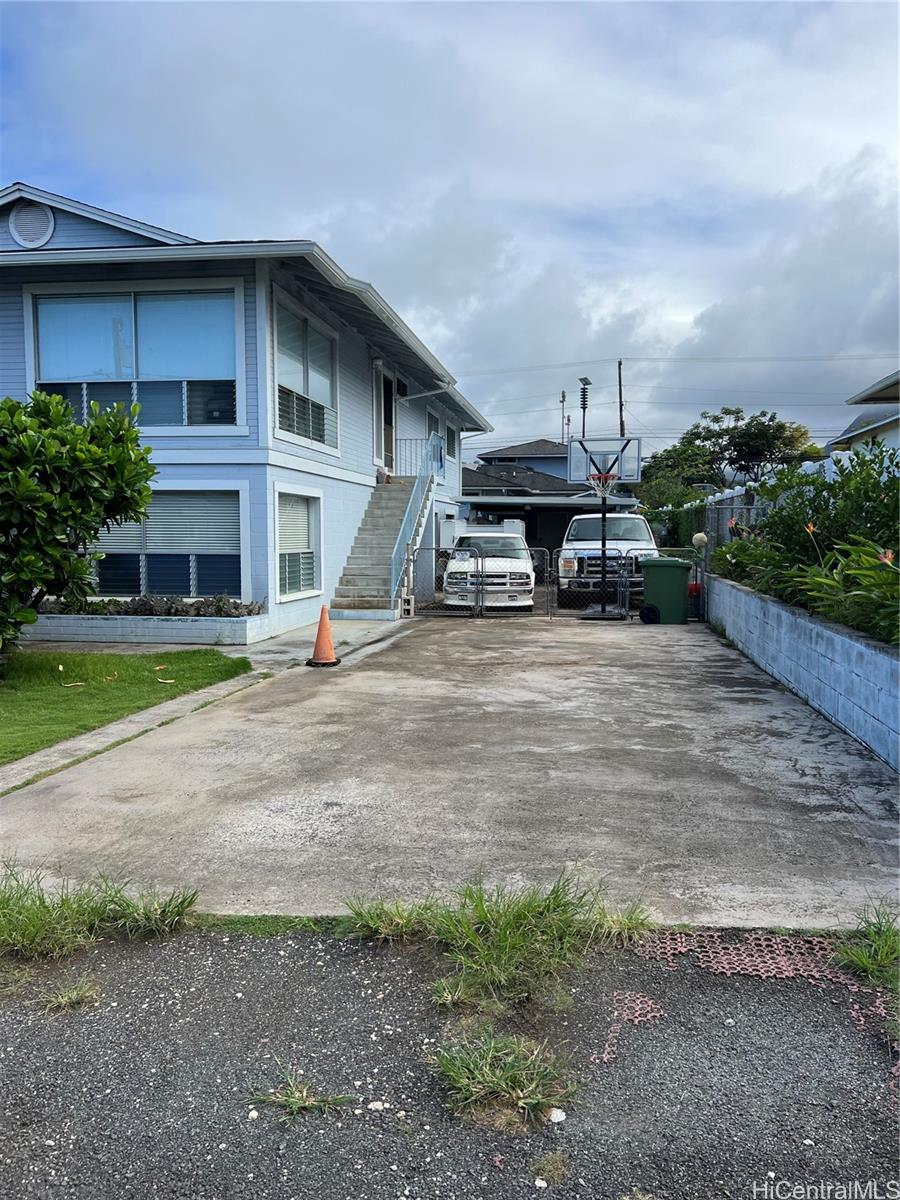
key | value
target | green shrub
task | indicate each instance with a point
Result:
(828, 545)
(60, 484)
(154, 606)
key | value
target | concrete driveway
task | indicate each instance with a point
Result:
(655, 757)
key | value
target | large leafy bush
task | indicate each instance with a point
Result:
(60, 484)
(829, 545)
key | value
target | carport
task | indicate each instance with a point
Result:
(655, 758)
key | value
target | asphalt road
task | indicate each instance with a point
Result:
(735, 1082)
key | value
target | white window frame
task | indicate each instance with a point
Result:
(280, 296)
(448, 426)
(311, 493)
(437, 417)
(236, 285)
(242, 487)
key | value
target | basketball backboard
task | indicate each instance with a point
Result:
(605, 455)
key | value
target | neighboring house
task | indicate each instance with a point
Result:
(540, 455)
(273, 390)
(512, 483)
(879, 419)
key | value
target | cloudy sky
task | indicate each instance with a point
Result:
(528, 184)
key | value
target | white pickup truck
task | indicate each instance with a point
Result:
(490, 568)
(629, 540)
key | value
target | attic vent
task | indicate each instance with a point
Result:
(31, 224)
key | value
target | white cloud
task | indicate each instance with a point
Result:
(527, 183)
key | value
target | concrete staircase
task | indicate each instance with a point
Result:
(365, 585)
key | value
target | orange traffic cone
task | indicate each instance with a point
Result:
(323, 654)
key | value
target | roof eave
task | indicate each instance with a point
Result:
(323, 263)
(872, 394)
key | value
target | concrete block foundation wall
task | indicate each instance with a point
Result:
(851, 679)
(201, 631)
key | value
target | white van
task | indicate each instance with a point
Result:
(490, 567)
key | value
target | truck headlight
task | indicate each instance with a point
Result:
(567, 566)
(518, 577)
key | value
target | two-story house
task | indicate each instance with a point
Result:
(303, 435)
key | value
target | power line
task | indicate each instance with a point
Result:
(590, 362)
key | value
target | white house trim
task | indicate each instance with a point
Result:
(236, 284)
(264, 356)
(242, 487)
(296, 489)
(264, 457)
(24, 191)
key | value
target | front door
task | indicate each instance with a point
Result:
(387, 410)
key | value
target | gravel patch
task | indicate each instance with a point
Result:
(147, 1094)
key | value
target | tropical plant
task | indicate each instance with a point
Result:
(60, 484)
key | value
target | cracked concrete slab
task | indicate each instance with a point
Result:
(655, 757)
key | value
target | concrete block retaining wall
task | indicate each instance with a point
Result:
(206, 631)
(850, 678)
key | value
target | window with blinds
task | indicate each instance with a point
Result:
(296, 558)
(189, 544)
(305, 368)
(452, 442)
(172, 353)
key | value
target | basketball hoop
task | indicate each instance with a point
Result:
(603, 483)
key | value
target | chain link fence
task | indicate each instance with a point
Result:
(466, 583)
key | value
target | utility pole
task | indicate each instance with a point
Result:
(585, 384)
(562, 401)
(621, 404)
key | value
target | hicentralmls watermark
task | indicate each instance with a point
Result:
(826, 1189)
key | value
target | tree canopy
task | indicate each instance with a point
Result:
(724, 448)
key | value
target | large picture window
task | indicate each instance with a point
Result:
(296, 558)
(171, 352)
(189, 544)
(305, 365)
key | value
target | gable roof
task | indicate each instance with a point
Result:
(869, 420)
(24, 191)
(520, 479)
(539, 448)
(877, 393)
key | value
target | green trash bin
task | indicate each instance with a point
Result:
(665, 591)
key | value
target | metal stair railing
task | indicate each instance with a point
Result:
(430, 466)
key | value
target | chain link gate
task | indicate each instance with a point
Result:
(445, 582)
(599, 585)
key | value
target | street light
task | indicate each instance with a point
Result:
(585, 384)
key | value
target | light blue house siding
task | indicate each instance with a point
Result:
(253, 458)
(71, 230)
(13, 301)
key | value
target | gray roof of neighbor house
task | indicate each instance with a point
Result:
(873, 419)
(539, 448)
(353, 300)
(877, 393)
(512, 478)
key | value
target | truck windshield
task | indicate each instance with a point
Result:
(618, 529)
(494, 547)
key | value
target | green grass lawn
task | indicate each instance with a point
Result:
(38, 709)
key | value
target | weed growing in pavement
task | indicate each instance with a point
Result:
(507, 945)
(553, 1167)
(636, 1194)
(385, 920)
(297, 1098)
(71, 993)
(513, 945)
(40, 922)
(515, 1076)
(872, 951)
